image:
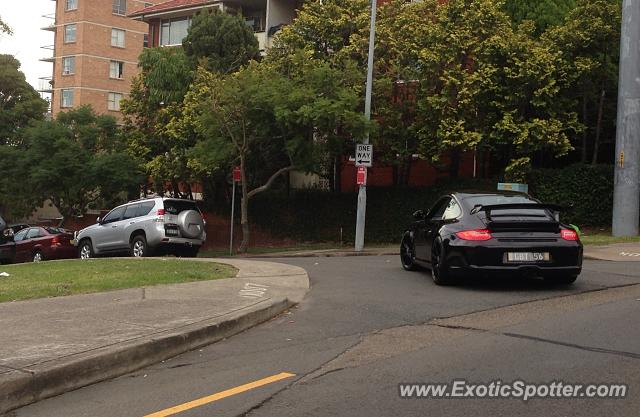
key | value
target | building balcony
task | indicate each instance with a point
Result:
(48, 53)
(45, 84)
(52, 22)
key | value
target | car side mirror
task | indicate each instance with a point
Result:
(419, 215)
(98, 220)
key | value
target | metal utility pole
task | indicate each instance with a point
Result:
(362, 193)
(626, 195)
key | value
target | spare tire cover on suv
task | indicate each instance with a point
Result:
(190, 223)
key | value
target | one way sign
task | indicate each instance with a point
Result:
(364, 155)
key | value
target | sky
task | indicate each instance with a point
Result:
(25, 18)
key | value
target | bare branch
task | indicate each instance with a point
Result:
(269, 183)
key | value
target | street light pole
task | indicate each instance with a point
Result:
(362, 193)
(626, 194)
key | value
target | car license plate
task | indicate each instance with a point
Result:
(527, 257)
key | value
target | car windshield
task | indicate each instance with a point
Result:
(178, 206)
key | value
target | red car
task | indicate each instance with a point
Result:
(37, 244)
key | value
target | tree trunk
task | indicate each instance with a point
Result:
(244, 207)
(596, 143)
(585, 132)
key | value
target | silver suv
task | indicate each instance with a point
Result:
(146, 227)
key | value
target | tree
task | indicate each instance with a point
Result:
(20, 104)
(4, 28)
(220, 41)
(484, 85)
(545, 13)
(77, 162)
(589, 41)
(243, 114)
(156, 97)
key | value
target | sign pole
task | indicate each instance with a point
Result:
(236, 179)
(362, 193)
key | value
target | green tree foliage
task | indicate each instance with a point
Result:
(258, 111)
(4, 28)
(220, 42)
(545, 13)
(20, 104)
(589, 43)
(76, 161)
(485, 85)
(155, 98)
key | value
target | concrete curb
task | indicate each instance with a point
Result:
(19, 388)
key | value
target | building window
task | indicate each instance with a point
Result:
(145, 41)
(173, 31)
(70, 33)
(113, 102)
(116, 69)
(68, 65)
(120, 7)
(71, 5)
(117, 38)
(67, 99)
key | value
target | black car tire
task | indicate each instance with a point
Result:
(439, 272)
(408, 253)
(139, 247)
(562, 279)
(85, 249)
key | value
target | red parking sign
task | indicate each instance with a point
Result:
(236, 174)
(361, 177)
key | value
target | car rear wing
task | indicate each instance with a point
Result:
(555, 209)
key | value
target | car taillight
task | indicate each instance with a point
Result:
(568, 234)
(162, 212)
(480, 234)
(55, 240)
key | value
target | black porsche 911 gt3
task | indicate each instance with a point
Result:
(490, 234)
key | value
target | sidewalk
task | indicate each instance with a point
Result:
(619, 252)
(54, 345)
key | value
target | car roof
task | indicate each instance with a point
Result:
(465, 194)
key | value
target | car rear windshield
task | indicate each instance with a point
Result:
(178, 206)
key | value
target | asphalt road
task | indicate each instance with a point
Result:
(367, 326)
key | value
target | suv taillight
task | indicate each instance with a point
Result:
(480, 234)
(568, 234)
(161, 212)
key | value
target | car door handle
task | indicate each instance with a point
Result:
(114, 227)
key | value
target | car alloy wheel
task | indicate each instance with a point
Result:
(139, 249)
(85, 251)
(407, 254)
(37, 257)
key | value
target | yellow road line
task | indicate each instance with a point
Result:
(220, 395)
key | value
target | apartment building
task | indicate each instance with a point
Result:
(168, 22)
(95, 53)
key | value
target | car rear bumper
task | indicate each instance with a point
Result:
(465, 257)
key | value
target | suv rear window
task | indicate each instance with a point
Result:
(178, 206)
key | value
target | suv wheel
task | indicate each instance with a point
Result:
(85, 251)
(139, 247)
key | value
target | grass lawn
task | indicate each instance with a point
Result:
(606, 239)
(54, 279)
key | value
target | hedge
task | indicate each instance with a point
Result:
(315, 215)
(586, 190)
